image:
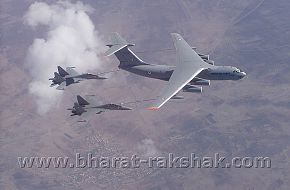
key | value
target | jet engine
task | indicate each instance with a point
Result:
(201, 82)
(211, 62)
(175, 97)
(193, 89)
(203, 56)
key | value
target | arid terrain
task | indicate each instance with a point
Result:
(234, 118)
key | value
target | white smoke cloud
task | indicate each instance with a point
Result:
(71, 40)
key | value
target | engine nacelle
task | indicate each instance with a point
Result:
(203, 56)
(193, 89)
(211, 62)
(201, 82)
(177, 97)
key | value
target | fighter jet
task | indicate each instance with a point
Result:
(193, 69)
(69, 76)
(58, 80)
(85, 107)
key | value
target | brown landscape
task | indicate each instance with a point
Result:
(244, 118)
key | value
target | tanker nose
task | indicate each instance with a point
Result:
(242, 74)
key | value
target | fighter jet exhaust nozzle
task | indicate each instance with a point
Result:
(192, 89)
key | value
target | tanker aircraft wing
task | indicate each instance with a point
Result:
(189, 66)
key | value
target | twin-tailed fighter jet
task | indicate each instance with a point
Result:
(85, 107)
(69, 76)
(193, 69)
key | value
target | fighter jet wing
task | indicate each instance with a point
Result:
(190, 65)
(71, 72)
(91, 111)
(69, 81)
(61, 86)
(114, 107)
(85, 117)
(90, 104)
